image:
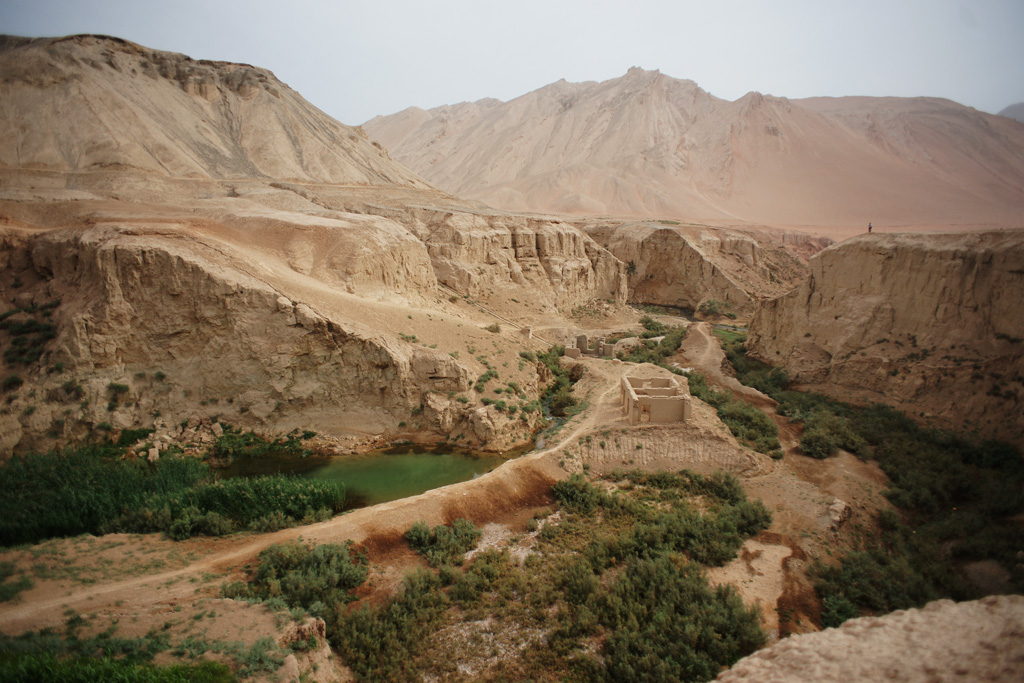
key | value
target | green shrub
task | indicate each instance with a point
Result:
(381, 643)
(750, 425)
(666, 624)
(10, 589)
(313, 577)
(12, 382)
(90, 490)
(493, 327)
(653, 326)
(443, 544)
(29, 337)
(235, 443)
(577, 494)
(47, 668)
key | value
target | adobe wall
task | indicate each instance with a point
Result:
(653, 401)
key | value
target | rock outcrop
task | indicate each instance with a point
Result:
(928, 322)
(685, 266)
(186, 330)
(943, 641)
(472, 253)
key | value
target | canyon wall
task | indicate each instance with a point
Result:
(189, 333)
(931, 323)
(684, 266)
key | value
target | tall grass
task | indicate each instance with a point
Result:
(88, 490)
(47, 668)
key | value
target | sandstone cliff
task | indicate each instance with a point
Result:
(943, 641)
(931, 323)
(684, 266)
(188, 332)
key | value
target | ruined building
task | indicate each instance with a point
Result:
(657, 400)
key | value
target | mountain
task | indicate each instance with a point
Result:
(651, 145)
(88, 102)
(201, 222)
(1014, 111)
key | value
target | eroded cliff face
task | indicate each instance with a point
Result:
(684, 266)
(189, 333)
(930, 323)
(552, 259)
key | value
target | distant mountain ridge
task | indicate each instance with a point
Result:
(1014, 111)
(650, 145)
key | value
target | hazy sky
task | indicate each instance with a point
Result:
(356, 59)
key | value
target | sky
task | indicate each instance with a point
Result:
(356, 59)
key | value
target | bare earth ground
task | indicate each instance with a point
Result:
(145, 582)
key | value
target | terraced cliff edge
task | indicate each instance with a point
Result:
(930, 323)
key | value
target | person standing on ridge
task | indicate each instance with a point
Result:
(869, 228)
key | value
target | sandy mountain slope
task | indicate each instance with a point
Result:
(651, 145)
(1014, 111)
(930, 323)
(92, 102)
(198, 234)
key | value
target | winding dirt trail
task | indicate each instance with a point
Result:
(498, 495)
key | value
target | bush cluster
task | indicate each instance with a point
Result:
(955, 494)
(315, 578)
(30, 336)
(47, 668)
(443, 544)
(380, 644)
(747, 423)
(90, 490)
(558, 394)
(234, 443)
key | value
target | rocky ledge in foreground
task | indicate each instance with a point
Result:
(943, 641)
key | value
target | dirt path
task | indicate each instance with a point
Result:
(499, 495)
(702, 350)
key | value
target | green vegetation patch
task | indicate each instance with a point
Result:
(557, 396)
(47, 668)
(443, 544)
(957, 496)
(317, 578)
(750, 425)
(30, 334)
(614, 591)
(650, 351)
(10, 589)
(235, 443)
(91, 490)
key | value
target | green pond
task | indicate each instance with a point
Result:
(378, 476)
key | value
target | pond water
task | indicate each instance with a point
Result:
(378, 476)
